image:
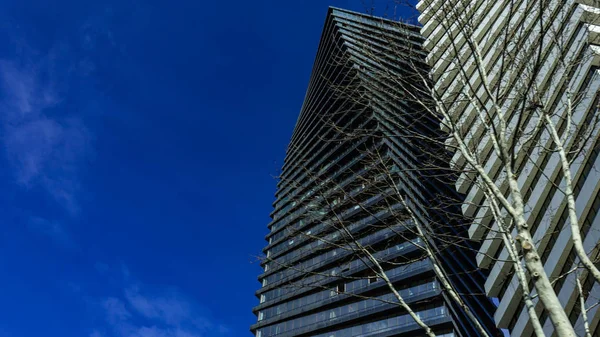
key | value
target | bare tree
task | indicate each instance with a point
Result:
(367, 205)
(512, 87)
(366, 220)
(508, 85)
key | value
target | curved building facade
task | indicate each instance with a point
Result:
(350, 152)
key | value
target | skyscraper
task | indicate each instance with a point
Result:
(535, 55)
(350, 154)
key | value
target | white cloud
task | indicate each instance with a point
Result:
(170, 308)
(116, 311)
(42, 148)
(165, 314)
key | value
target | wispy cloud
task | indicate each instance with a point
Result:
(42, 148)
(53, 229)
(139, 312)
(45, 138)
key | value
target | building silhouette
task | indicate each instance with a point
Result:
(353, 152)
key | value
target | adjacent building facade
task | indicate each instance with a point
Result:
(352, 152)
(563, 37)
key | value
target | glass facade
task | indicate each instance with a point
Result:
(334, 199)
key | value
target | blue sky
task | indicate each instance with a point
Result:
(138, 145)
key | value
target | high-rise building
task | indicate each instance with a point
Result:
(350, 151)
(552, 46)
